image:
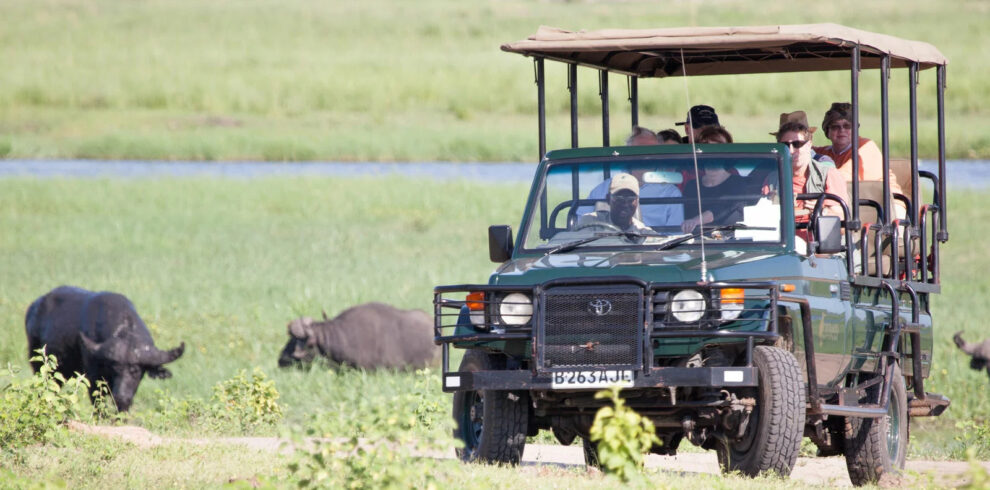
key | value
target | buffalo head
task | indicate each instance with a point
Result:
(979, 352)
(123, 361)
(302, 346)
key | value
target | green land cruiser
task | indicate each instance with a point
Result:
(743, 335)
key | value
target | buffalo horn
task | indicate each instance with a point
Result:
(156, 357)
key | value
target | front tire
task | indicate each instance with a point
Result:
(492, 424)
(876, 446)
(773, 435)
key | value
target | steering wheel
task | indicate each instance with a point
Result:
(607, 225)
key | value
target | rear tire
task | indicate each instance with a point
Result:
(773, 435)
(492, 424)
(874, 447)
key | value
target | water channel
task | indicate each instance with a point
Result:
(961, 173)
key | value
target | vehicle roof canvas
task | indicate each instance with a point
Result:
(724, 50)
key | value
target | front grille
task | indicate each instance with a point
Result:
(585, 327)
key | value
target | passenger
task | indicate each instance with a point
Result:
(717, 181)
(641, 137)
(652, 214)
(623, 202)
(714, 134)
(669, 137)
(802, 118)
(838, 128)
(698, 118)
(810, 176)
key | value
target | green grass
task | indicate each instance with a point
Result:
(224, 264)
(392, 80)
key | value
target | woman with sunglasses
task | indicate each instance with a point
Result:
(838, 129)
(810, 176)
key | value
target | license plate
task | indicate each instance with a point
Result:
(592, 379)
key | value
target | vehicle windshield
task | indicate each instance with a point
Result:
(653, 203)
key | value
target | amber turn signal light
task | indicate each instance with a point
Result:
(476, 300)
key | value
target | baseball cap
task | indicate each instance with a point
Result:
(700, 116)
(623, 182)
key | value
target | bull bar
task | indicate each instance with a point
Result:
(759, 314)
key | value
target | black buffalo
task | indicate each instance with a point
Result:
(980, 352)
(99, 335)
(369, 336)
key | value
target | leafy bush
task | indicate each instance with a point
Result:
(622, 437)
(239, 404)
(382, 457)
(33, 410)
(974, 438)
(248, 403)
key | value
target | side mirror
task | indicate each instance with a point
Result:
(499, 243)
(828, 234)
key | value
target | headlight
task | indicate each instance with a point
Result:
(515, 309)
(731, 301)
(688, 306)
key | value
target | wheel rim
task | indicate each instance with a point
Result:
(744, 443)
(472, 420)
(893, 430)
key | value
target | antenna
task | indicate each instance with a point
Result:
(697, 176)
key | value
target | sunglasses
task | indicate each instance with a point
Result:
(624, 199)
(796, 143)
(846, 126)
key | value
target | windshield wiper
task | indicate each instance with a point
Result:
(673, 242)
(564, 247)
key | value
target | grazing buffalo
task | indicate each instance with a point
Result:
(99, 335)
(980, 352)
(372, 335)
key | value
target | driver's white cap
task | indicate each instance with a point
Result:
(623, 182)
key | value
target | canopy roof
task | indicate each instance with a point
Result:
(724, 50)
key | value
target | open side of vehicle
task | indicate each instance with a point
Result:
(741, 337)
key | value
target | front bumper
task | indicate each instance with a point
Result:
(654, 378)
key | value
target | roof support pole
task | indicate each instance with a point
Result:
(572, 85)
(943, 232)
(634, 100)
(541, 106)
(603, 92)
(913, 91)
(885, 134)
(854, 82)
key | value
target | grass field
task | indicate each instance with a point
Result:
(224, 264)
(391, 80)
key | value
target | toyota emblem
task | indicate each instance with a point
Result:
(600, 307)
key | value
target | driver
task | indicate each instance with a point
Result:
(623, 201)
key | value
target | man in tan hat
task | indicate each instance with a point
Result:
(801, 118)
(810, 175)
(623, 201)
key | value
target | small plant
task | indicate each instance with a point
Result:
(248, 402)
(977, 474)
(974, 438)
(34, 409)
(378, 445)
(622, 437)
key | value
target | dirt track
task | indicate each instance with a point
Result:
(815, 471)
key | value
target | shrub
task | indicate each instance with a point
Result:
(622, 437)
(383, 455)
(33, 410)
(248, 403)
(973, 438)
(239, 404)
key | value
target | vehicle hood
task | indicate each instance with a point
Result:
(679, 265)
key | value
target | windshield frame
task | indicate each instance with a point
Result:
(623, 155)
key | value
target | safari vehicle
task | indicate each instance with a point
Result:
(739, 336)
